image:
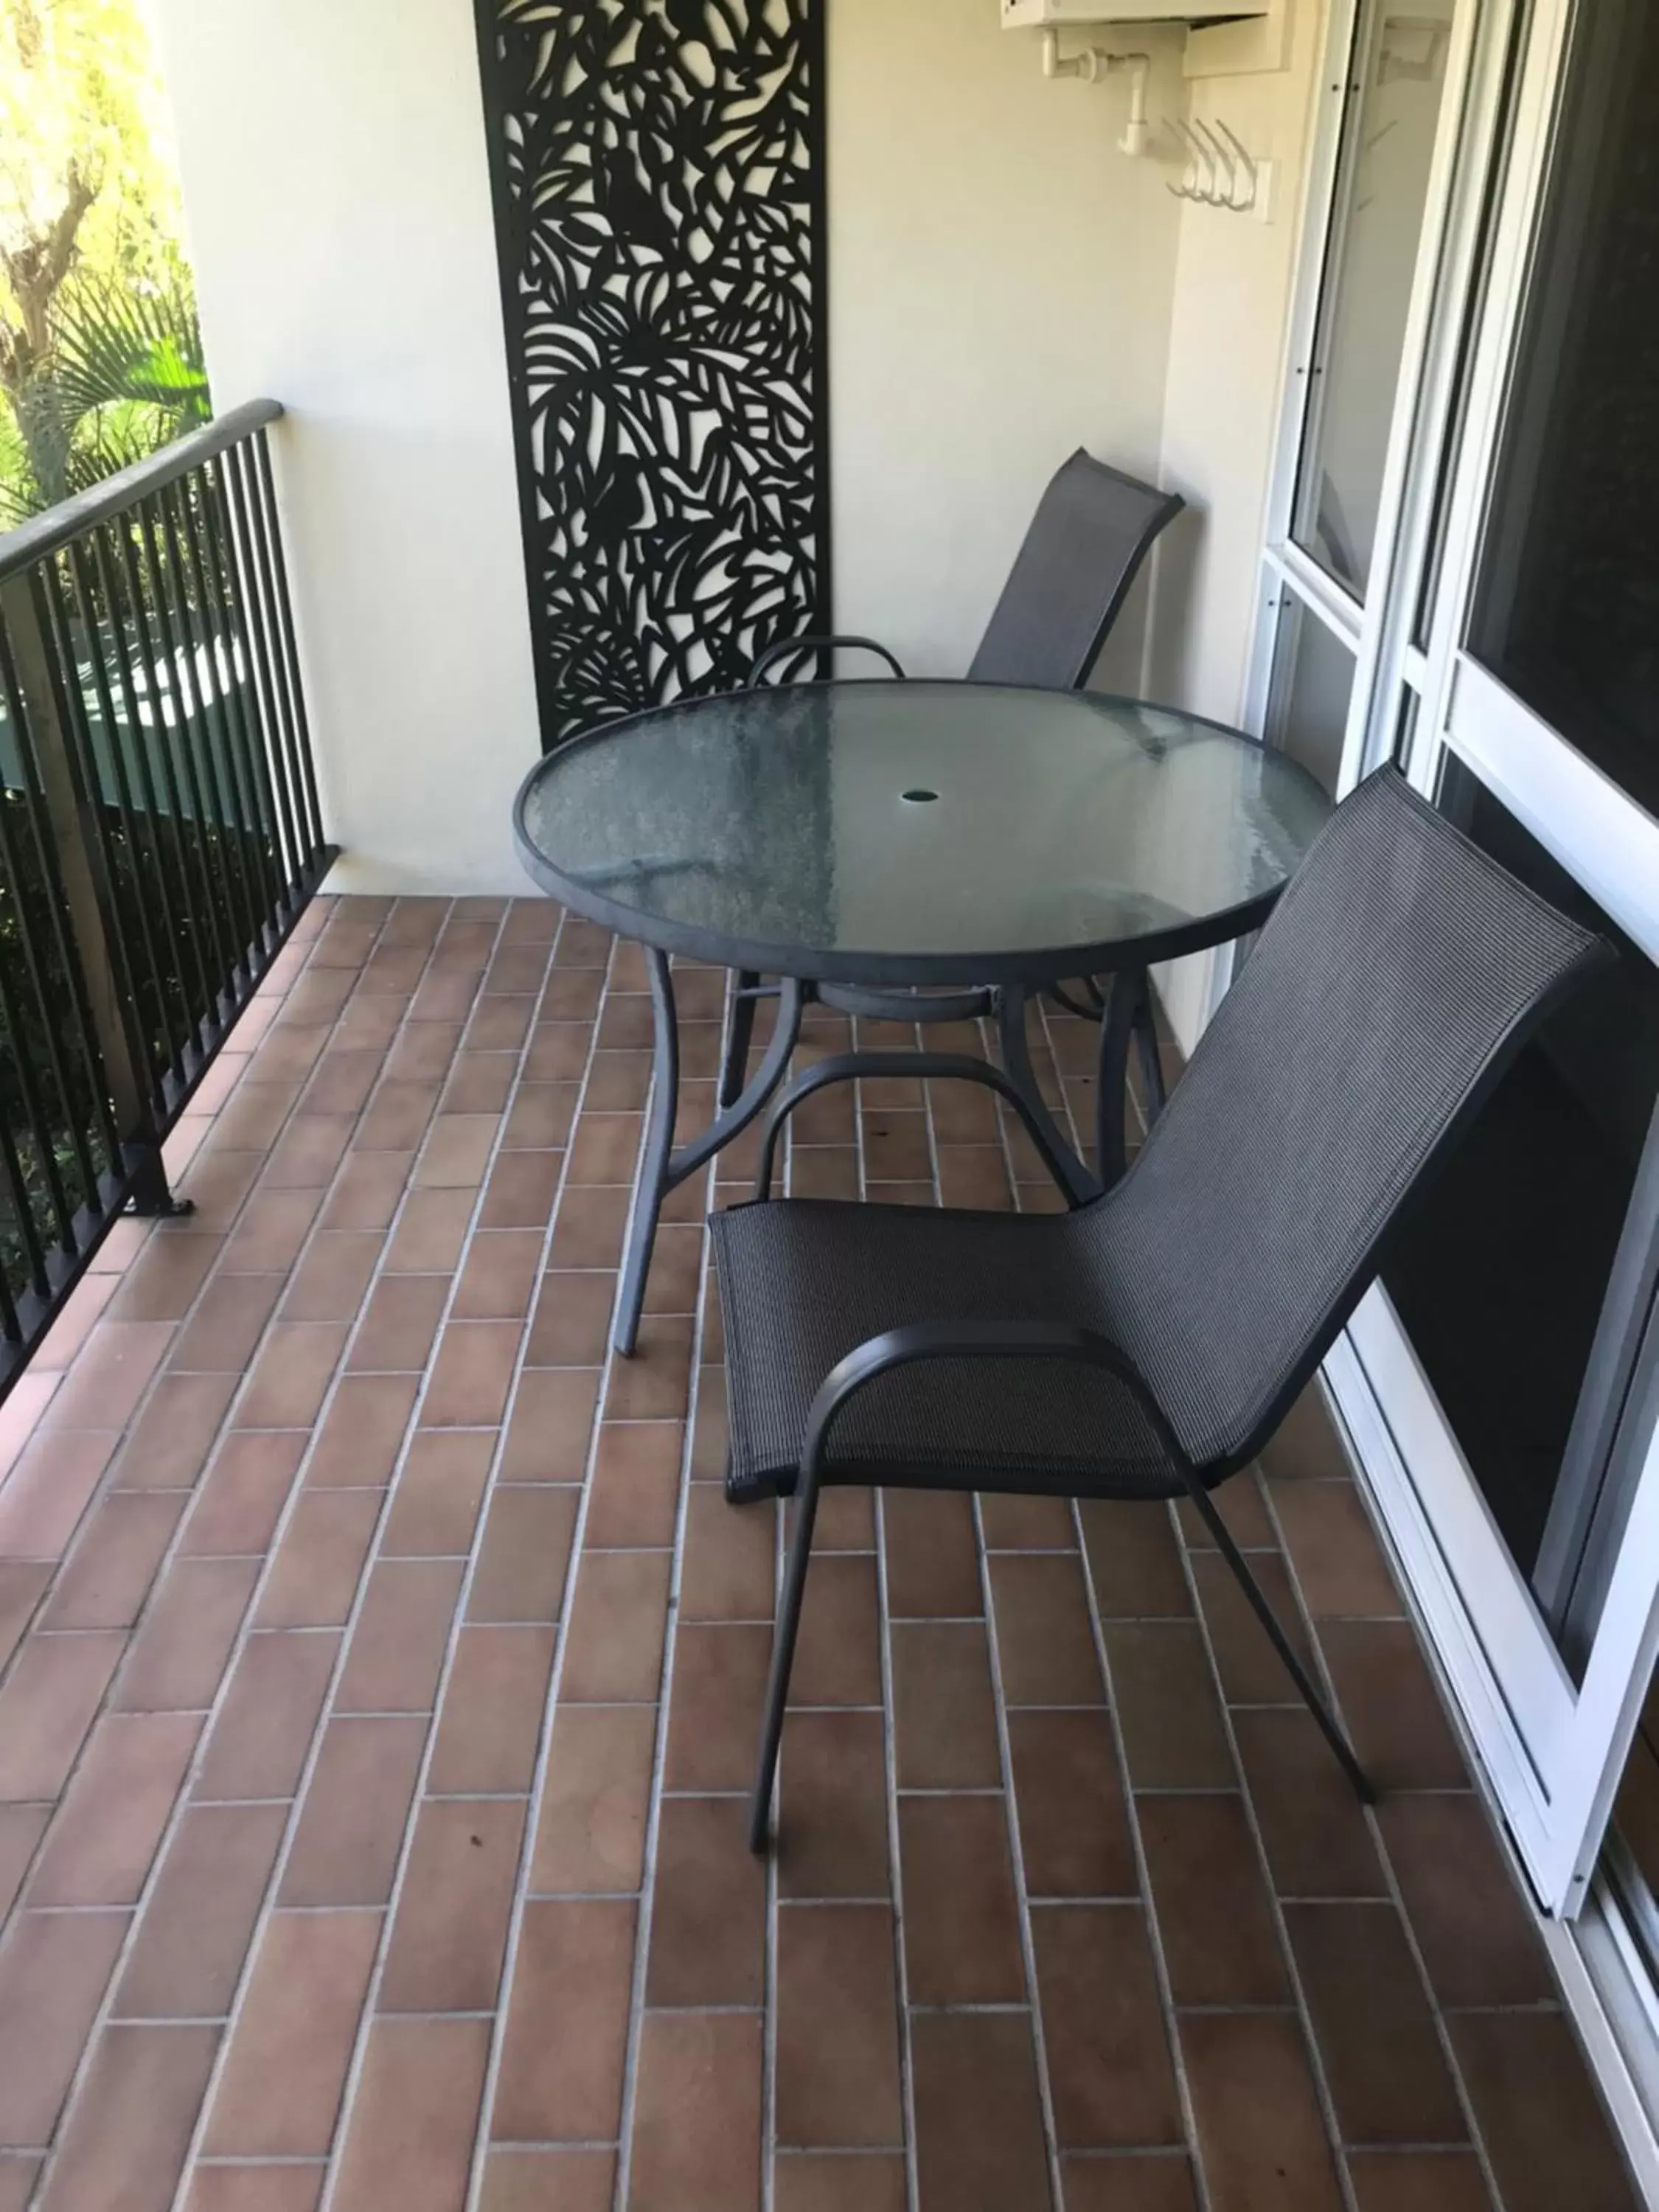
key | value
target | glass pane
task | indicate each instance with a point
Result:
(1513, 1279)
(1473, 313)
(1394, 113)
(1568, 610)
(1312, 688)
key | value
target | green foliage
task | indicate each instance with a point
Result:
(126, 376)
(101, 358)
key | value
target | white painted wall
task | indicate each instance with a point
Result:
(1000, 290)
(1230, 320)
(1005, 287)
(1229, 323)
(338, 192)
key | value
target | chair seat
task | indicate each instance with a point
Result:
(805, 1282)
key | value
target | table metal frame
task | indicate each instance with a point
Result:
(1016, 976)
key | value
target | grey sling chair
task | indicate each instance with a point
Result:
(1146, 1345)
(1089, 539)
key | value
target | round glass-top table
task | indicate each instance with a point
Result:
(914, 835)
(918, 833)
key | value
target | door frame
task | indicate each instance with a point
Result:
(1551, 1749)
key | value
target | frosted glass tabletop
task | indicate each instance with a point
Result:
(918, 832)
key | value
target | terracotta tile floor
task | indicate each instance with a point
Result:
(382, 1678)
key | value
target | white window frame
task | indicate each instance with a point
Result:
(1365, 628)
(1552, 1749)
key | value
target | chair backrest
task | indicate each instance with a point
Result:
(1398, 977)
(1093, 528)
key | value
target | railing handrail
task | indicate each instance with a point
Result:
(44, 534)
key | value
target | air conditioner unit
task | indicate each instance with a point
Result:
(1055, 15)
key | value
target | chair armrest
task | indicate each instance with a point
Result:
(922, 1341)
(907, 1066)
(796, 649)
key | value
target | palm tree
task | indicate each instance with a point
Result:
(123, 375)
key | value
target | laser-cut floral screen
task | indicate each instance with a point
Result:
(658, 167)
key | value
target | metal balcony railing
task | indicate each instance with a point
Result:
(159, 833)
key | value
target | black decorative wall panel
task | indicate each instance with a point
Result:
(658, 177)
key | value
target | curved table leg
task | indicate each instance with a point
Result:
(1127, 1011)
(654, 1185)
(1151, 1060)
(1017, 1065)
(662, 1169)
(735, 1066)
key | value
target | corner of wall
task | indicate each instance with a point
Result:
(346, 261)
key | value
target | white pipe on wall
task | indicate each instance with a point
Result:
(1093, 66)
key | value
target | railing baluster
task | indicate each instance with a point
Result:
(252, 797)
(299, 728)
(241, 901)
(262, 613)
(28, 693)
(128, 1100)
(159, 832)
(37, 1277)
(242, 597)
(94, 623)
(181, 693)
(126, 625)
(190, 860)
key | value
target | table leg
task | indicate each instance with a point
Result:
(1017, 1065)
(653, 1184)
(1128, 1012)
(661, 1168)
(734, 1068)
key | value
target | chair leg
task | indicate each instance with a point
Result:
(1281, 1643)
(734, 1071)
(783, 1658)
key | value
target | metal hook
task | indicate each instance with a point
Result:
(1187, 188)
(1178, 191)
(1252, 178)
(1218, 195)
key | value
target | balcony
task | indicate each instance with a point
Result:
(382, 1666)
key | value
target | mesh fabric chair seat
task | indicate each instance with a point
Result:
(1150, 1342)
(805, 1283)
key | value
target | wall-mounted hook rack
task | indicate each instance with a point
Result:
(1219, 173)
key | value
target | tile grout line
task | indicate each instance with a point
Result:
(478, 2165)
(894, 1902)
(890, 1760)
(1143, 1872)
(1016, 1863)
(648, 1891)
(183, 1799)
(369, 2012)
(772, 1903)
(1006, 1758)
(1303, 2009)
(269, 1901)
(32, 1624)
(104, 1486)
(1379, 1841)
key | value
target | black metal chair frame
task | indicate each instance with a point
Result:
(907, 1347)
(904, 1347)
(959, 1339)
(793, 654)
(601, 897)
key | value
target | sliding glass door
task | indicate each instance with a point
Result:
(1465, 577)
(1391, 95)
